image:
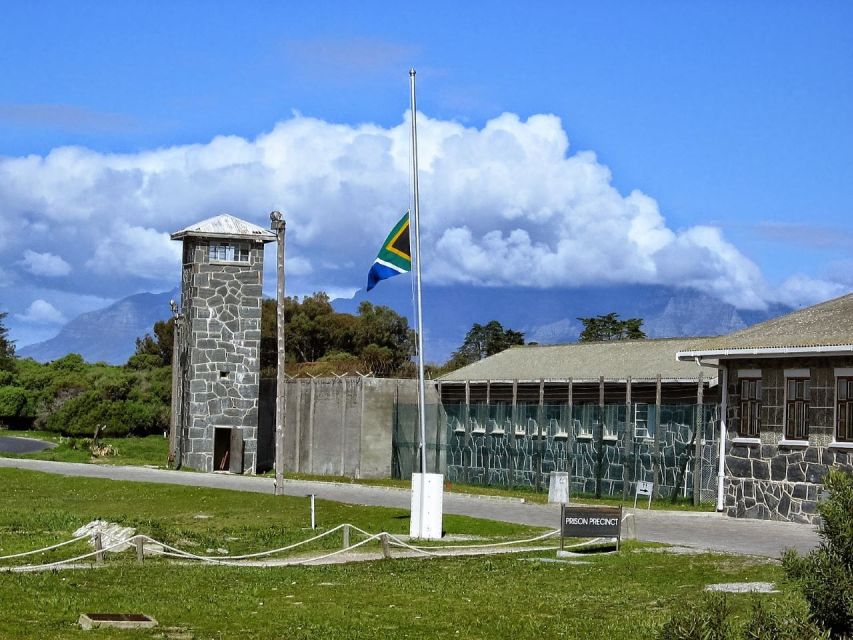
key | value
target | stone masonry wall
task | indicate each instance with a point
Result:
(766, 477)
(222, 328)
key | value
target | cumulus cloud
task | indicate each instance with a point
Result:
(45, 264)
(42, 312)
(505, 204)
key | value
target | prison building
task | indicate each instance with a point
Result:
(219, 334)
(609, 413)
(787, 401)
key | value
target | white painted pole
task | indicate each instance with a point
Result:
(724, 408)
(419, 310)
(313, 512)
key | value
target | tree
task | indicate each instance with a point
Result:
(159, 345)
(610, 327)
(483, 341)
(7, 346)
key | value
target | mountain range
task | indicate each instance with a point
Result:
(543, 315)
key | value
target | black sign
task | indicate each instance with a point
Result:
(590, 522)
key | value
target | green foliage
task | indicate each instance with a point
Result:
(825, 575)
(483, 341)
(377, 339)
(610, 327)
(82, 414)
(159, 346)
(712, 618)
(7, 347)
(13, 400)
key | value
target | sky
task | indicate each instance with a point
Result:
(702, 144)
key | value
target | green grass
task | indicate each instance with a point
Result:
(613, 596)
(150, 450)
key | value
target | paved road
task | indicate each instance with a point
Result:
(15, 444)
(699, 530)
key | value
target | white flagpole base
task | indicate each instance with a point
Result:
(433, 485)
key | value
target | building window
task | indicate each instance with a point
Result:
(797, 394)
(227, 252)
(844, 411)
(750, 407)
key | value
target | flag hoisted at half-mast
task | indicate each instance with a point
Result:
(394, 257)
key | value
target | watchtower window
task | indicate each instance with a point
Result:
(228, 252)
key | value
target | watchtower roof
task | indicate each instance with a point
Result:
(226, 226)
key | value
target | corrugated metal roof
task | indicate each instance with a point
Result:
(226, 226)
(825, 325)
(615, 360)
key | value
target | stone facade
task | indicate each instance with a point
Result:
(221, 304)
(768, 476)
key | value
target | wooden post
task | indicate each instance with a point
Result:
(345, 544)
(174, 417)
(511, 435)
(466, 437)
(140, 549)
(439, 432)
(656, 452)
(599, 458)
(386, 547)
(278, 225)
(697, 441)
(570, 432)
(99, 548)
(540, 416)
(628, 440)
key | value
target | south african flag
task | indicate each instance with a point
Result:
(394, 257)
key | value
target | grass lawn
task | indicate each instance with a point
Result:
(611, 596)
(150, 450)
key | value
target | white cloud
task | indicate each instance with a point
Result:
(800, 290)
(505, 204)
(45, 264)
(42, 312)
(138, 251)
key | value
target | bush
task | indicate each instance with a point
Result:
(13, 400)
(711, 619)
(825, 575)
(80, 415)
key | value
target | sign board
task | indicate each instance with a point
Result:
(590, 522)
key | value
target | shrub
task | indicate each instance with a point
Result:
(13, 400)
(825, 575)
(711, 619)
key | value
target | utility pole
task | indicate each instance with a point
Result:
(175, 422)
(277, 224)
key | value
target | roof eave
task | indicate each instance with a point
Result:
(765, 352)
(256, 237)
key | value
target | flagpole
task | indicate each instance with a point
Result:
(419, 310)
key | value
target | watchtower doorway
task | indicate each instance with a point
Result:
(228, 449)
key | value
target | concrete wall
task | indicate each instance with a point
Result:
(219, 356)
(767, 478)
(337, 426)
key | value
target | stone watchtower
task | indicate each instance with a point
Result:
(219, 344)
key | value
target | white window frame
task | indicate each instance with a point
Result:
(234, 252)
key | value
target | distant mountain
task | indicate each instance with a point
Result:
(551, 315)
(106, 335)
(544, 315)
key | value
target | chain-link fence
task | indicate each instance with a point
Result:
(605, 449)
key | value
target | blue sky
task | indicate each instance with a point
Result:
(726, 116)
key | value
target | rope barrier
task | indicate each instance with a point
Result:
(43, 549)
(233, 560)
